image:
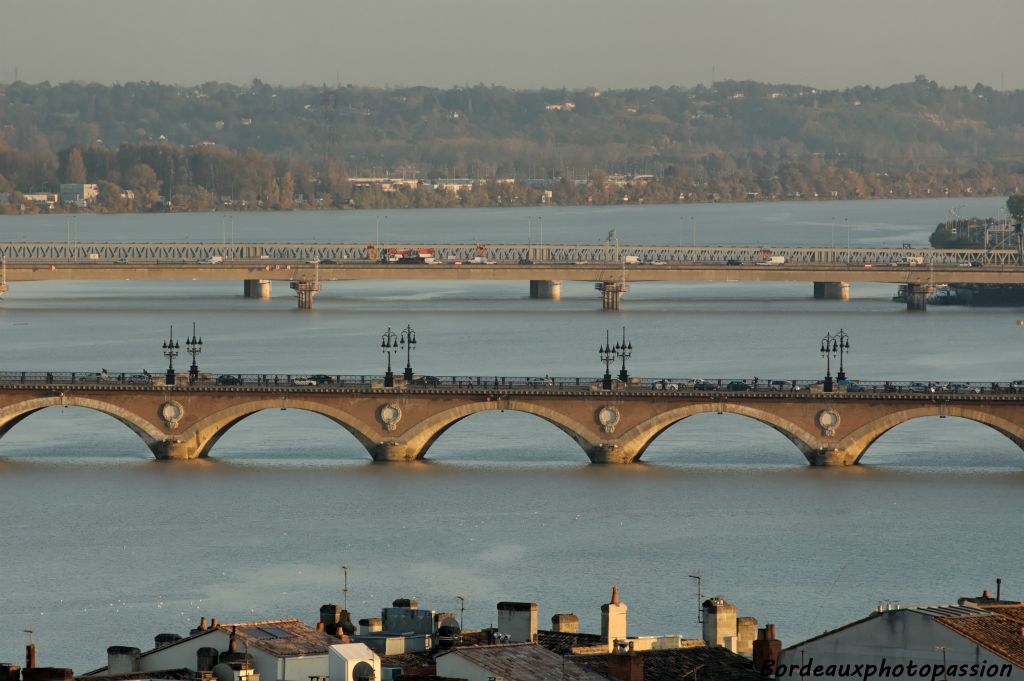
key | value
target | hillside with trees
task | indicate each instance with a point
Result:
(260, 146)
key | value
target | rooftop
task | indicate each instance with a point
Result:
(280, 638)
(525, 662)
(562, 643)
(999, 631)
(712, 662)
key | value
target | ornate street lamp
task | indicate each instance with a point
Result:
(625, 351)
(843, 342)
(829, 348)
(193, 346)
(389, 346)
(607, 355)
(407, 339)
(171, 348)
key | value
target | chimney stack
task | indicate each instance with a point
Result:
(999, 587)
(766, 650)
(746, 633)
(518, 621)
(164, 639)
(565, 623)
(122, 660)
(30, 656)
(719, 621)
(613, 620)
(626, 665)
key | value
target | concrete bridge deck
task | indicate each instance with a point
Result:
(610, 268)
(401, 423)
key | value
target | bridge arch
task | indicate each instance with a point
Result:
(420, 438)
(634, 442)
(199, 439)
(858, 442)
(14, 414)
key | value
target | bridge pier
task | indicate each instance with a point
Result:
(174, 450)
(256, 288)
(611, 293)
(306, 290)
(545, 289)
(394, 451)
(917, 297)
(828, 457)
(831, 290)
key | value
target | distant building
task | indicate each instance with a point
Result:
(271, 646)
(78, 194)
(971, 641)
(44, 200)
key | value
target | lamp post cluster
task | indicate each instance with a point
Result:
(391, 343)
(608, 354)
(833, 345)
(171, 348)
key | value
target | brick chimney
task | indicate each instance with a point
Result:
(626, 665)
(766, 650)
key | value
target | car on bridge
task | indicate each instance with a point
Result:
(738, 385)
(138, 379)
(425, 381)
(229, 379)
(701, 384)
(783, 385)
(921, 388)
(665, 384)
(304, 381)
(963, 388)
(322, 379)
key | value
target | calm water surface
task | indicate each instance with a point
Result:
(102, 546)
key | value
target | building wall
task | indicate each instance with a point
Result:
(898, 637)
(293, 668)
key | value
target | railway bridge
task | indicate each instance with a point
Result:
(611, 269)
(401, 423)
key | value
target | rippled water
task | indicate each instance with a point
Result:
(102, 546)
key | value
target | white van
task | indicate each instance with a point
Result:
(213, 260)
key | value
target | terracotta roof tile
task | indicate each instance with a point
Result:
(525, 662)
(999, 632)
(700, 663)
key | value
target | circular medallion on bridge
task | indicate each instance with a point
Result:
(608, 416)
(389, 414)
(171, 412)
(828, 420)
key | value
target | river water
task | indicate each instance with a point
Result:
(103, 546)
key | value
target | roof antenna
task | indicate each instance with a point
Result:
(344, 587)
(700, 599)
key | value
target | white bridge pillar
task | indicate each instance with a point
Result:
(256, 288)
(831, 290)
(543, 288)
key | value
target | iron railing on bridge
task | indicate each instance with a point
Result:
(497, 383)
(634, 255)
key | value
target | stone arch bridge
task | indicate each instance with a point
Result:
(611, 426)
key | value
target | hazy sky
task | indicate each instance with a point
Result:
(518, 43)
